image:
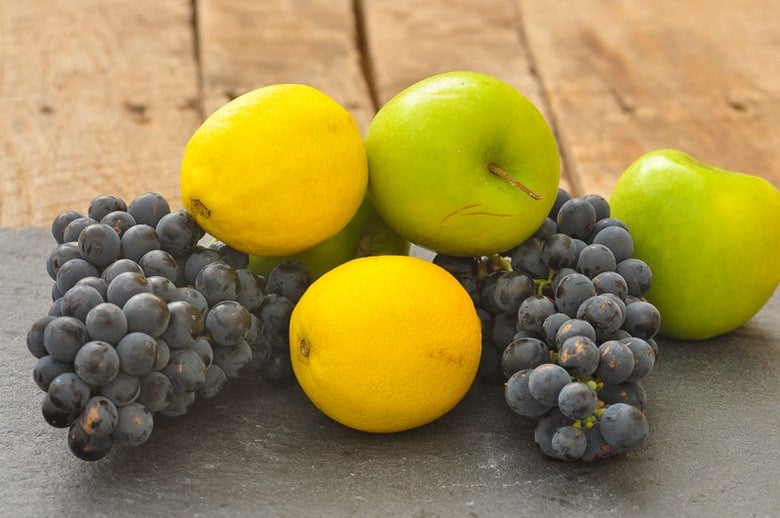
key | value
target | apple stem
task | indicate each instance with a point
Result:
(493, 168)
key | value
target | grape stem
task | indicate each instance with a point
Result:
(496, 170)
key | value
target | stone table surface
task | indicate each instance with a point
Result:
(256, 450)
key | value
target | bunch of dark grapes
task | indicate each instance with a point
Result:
(567, 329)
(144, 319)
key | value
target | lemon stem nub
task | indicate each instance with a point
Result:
(493, 168)
(304, 346)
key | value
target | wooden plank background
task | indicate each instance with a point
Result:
(100, 96)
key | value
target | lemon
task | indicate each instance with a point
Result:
(385, 343)
(275, 171)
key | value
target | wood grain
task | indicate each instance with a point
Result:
(245, 45)
(97, 97)
(624, 78)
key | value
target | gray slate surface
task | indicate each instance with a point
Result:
(714, 447)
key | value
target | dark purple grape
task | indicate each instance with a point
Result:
(160, 263)
(146, 313)
(577, 400)
(134, 425)
(79, 300)
(559, 251)
(156, 391)
(579, 355)
(148, 208)
(120, 221)
(74, 228)
(106, 322)
(523, 353)
(118, 267)
(68, 392)
(87, 447)
(546, 381)
(618, 240)
(138, 240)
(288, 279)
(63, 337)
(568, 443)
(35, 336)
(218, 281)
(101, 205)
(594, 259)
(235, 258)
(97, 363)
(200, 257)
(572, 291)
(637, 275)
(642, 320)
(532, 313)
(60, 222)
(99, 417)
(185, 324)
(527, 257)
(122, 390)
(47, 368)
(185, 370)
(137, 353)
(125, 285)
(600, 205)
(73, 271)
(178, 232)
(616, 362)
(519, 398)
(576, 218)
(624, 426)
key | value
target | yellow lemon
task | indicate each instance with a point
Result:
(385, 343)
(275, 171)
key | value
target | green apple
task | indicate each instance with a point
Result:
(365, 234)
(463, 164)
(710, 236)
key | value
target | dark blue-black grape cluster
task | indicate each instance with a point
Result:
(144, 319)
(567, 329)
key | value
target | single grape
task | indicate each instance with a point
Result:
(138, 240)
(637, 275)
(72, 271)
(79, 300)
(178, 232)
(106, 322)
(87, 447)
(227, 322)
(63, 337)
(527, 257)
(160, 262)
(146, 313)
(56, 417)
(97, 363)
(546, 381)
(218, 281)
(611, 282)
(577, 400)
(551, 326)
(642, 320)
(47, 368)
(572, 291)
(99, 417)
(558, 276)
(624, 426)
(275, 314)
(579, 355)
(576, 218)
(134, 425)
(122, 390)
(519, 398)
(156, 391)
(594, 259)
(616, 362)
(185, 370)
(232, 359)
(125, 285)
(101, 205)
(35, 336)
(559, 251)
(510, 289)
(644, 357)
(503, 330)
(251, 289)
(568, 443)
(278, 369)
(215, 382)
(185, 324)
(179, 404)
(288, 279)
(148, 208)
(603, 313)
(99, 244)
(532, 313)
(68, 392)
(120, 221)
(522, 354)
(137, 353)
(546, 229)
(597, 447)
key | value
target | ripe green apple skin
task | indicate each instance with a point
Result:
(365, 234)
(429, 150)
(710, 236)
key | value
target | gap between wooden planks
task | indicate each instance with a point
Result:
(106, 100)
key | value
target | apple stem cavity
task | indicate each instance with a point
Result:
(496, 170)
